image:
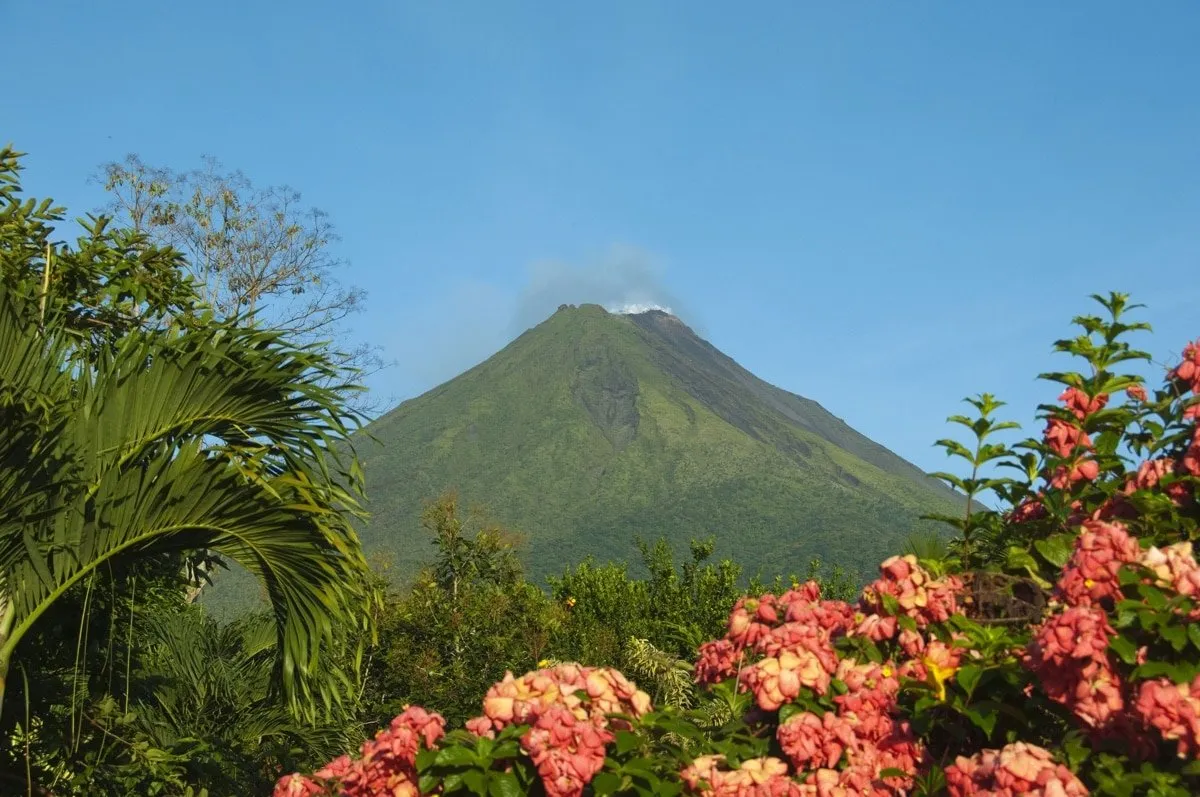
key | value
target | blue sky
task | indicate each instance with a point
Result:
(882, 206)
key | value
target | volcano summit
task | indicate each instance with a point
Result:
(595, 427)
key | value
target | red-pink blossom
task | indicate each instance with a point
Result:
(812, 742)
(755, 777)
(716, 661)
(1100, 551)
(1189, 370)
(1019, 768)
(1080, 404)
(916, 592)
(296, 785)
(1027, 511)
(1174, 711)
(1174, 567)
(1136, 392)
(1063, 438)
(567, 751)
(1069, 655)
(751, 620)
(776, 680)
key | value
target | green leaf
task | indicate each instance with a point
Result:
(1153, 596)
(1123, 648)
(606, 783)
(984, 720)
(1193, 632)
(1056, 549)
(627, 741)
(455, 756)
(475, 780)
(1176, 635)
(968, 677)
(504, 784)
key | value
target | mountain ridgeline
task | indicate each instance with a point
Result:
(594, 428)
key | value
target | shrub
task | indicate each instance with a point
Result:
(1052, 650)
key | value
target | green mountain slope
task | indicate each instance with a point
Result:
(593, 427)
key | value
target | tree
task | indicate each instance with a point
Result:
(250, 250)
(167, 440)
(486, 557)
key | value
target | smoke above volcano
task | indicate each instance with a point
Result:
(623, 281)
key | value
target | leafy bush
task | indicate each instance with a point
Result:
(1051, 650)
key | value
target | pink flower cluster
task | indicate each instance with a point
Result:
(1069, 654)
(589, 693)
(1174, 711)
(1175, 568)
(567, 707)
(757, 777)
(1188, 371)
(1019, 768)
(1101, 549)
(919, 595)
(567, 751)
(1067, 439)
(780, 646)
(386, 766)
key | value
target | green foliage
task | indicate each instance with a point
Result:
(139, 439)
(593, 429)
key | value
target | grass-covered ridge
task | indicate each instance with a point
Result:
(593, 427)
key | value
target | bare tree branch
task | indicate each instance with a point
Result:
(252, 251)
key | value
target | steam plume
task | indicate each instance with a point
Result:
(623, 281)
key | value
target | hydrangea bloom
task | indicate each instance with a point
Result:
(387, 764)
(1174, 711)
(1091, 574)
(1019, 768)
(567, 751)
(919, 595)
(520, 701)
(1188, 371)
(1080, 404)
(1069, 655)
(757, 777)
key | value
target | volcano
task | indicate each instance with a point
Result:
(596, 427)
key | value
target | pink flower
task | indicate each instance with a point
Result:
(1136, 393)
(1081, 470)
(813, 742)
(1079, 633)
(1100, 551)
(717, 660)
(874, 627)
(1069, 656)
(777, 680)
(1027, 511)
(520, 701)
(751, 620)
(1019, 768)
(1063, 438)
(1174, 711)
(1080, 404)
(567, 751)
(916, 592)
(756, 777)
(1174, 567)
(480, 726)
(296, 785)
(1150, 473)
(1189, 370)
